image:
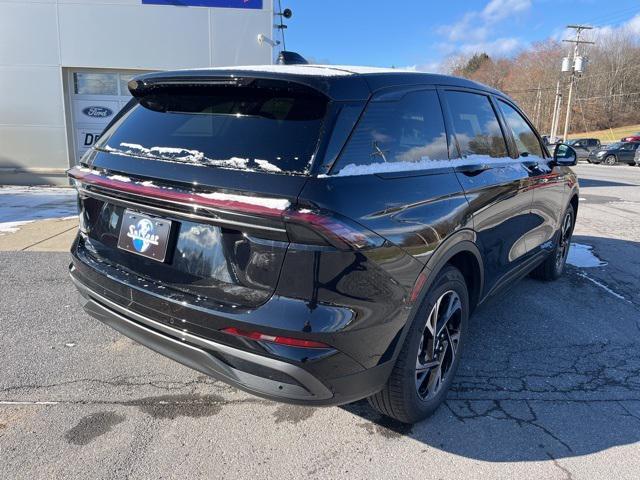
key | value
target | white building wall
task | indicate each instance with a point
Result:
(41, 40)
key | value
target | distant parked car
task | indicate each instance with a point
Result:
(637, 157)
(632, 138)
(619, 152)
(547, 140)
(584, 146)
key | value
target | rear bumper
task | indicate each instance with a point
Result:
(216, 359)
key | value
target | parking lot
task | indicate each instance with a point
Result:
(549, 386)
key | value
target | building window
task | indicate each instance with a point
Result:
(85, 83)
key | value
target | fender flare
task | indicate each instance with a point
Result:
(463, 240)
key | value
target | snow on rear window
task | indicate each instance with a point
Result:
(245, 128)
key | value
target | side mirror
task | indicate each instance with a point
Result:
(564, 156)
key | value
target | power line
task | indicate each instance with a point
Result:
(611, 17)
(609, 96)
(582, 79)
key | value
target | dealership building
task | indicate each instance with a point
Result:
(65, 64)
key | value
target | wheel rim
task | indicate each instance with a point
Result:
(438, 345)
(610, 160)
(565, 240)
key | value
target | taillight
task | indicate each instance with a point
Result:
(327, 228)
(306, 226)
(292, 342)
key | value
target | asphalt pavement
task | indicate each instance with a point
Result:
(549, 385)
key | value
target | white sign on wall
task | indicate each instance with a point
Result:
(96, 98)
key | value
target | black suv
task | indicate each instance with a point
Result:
(619, 152)
(312, 234)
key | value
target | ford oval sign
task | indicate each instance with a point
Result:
(97, 112)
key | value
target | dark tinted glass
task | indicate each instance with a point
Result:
(238, 127)
(475, 124)
(409, 130)
(526, 140)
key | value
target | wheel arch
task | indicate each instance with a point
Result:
(459, 250)
(574, 203)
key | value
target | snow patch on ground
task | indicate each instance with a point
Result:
(12, 227)
(22, 205)
(582, 256)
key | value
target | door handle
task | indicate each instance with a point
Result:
(473, 169)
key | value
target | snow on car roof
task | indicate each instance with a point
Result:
(315, 70)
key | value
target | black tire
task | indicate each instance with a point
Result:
(553, 267)
(401, 398)
(610, 160)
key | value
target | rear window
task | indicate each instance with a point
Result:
(249, 128)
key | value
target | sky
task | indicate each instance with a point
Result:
(420, 34)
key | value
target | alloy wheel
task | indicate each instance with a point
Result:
(438, 345)
(610, 160)
(565, 240)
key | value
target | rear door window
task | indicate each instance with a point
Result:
(476, 125)
(398, 135)
(526, 139)
(249, 128)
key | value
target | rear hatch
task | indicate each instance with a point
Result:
(189, 186)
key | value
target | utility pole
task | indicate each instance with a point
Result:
(556, 114)
(575, 65)
(538, 109)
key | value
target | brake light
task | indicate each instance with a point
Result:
(292, 342)
(314, 227)
(334, 229)
(268, 207)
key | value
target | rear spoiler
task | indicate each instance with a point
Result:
(139, 87)
(339, 88)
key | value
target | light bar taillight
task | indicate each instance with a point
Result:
(270, 207)
(305, 226)
(291, 342)
(338, 231)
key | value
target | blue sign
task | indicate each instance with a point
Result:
(254, 4)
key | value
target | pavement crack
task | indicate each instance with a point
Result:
(567, 473)
(119, 381)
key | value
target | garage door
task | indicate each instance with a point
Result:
(96, 97)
